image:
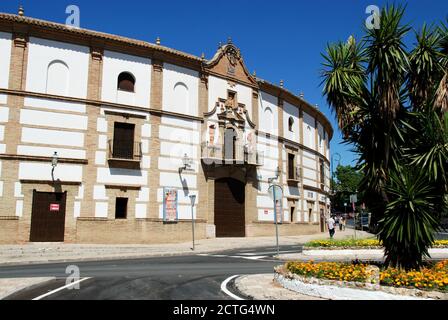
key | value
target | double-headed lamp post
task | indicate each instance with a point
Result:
(274, 191)
(193, 200)
(187, 162)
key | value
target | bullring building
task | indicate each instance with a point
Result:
(103, 139)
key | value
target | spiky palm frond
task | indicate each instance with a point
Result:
(425, 67)
(388, 60)
(344, 77)
(441, 96)
(410, 221)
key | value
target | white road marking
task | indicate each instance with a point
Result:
(236, 257)
(268, 252)
(255, 258)
(224, 288)
(60, 289)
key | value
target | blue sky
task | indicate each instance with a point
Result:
(281, 40)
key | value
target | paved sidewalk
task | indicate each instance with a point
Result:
(61, 252)
(263, 287)
(14, 285)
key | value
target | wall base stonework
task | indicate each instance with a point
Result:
(9, 227)
(292, 229)
(138, 231)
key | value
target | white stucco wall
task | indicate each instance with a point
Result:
(51, 104)
(4, 114)
(122, 176)
(53, 137)
(268, 114)
(5, 61)
(180, 90)
(42, 53)
(290, 111)
(320, 138)
(42, 171)
(49, 151)
(52, 119)
(115, 63)
(309, 131)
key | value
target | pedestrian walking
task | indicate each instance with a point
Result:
(331, 224)
(340, 222)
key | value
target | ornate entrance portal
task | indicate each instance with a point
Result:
(229, 208)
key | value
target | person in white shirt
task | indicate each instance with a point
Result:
(331, 229)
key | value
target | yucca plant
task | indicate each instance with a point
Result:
(391, 105)
(410, 220)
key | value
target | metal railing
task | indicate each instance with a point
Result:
(120, 152)
(237, 153)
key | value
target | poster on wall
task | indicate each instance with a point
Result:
(170, 212)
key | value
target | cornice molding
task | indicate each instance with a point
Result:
(42, 159)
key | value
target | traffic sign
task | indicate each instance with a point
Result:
(275, 192)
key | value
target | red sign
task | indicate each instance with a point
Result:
(54, 207)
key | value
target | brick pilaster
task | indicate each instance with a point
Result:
(91, 136)
(155, 120)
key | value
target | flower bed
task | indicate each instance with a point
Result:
(357, 244)
(429, 278)
(426, 279)
(330, 270)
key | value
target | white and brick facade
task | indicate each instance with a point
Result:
(58, 93)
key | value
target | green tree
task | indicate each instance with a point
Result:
(391, 104)
(347, 181)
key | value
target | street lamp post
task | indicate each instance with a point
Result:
(333, 192)
(186, 161)
(274, 190)
(54, 163)
(193, 200)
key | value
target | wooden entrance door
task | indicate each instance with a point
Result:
(229, 208)
(48, 217)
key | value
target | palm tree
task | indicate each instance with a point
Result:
(391, 105)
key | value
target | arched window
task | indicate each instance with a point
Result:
(268, 119)
(181, 98)
(291, 124)
(126, 82)
(57, 78)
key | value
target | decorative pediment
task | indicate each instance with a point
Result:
(229, 63)
(230, 110)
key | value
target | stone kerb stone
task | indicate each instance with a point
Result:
(346, 290)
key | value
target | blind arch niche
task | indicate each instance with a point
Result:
(57, 78)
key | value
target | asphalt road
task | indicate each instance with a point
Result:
(192, 277)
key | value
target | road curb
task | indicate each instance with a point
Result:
(30, 287)
(112, 258)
